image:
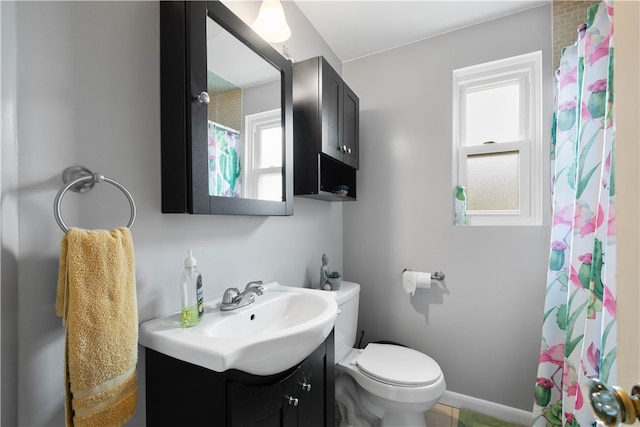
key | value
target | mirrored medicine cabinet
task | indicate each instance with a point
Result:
(226, 115)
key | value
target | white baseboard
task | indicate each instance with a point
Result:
(505, 413)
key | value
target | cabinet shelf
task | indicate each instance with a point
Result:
(318, 182)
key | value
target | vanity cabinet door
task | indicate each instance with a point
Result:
(304, 398)
(317, 388)
(261, 405)
(297, 400)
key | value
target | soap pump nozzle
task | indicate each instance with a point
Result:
(189, 261)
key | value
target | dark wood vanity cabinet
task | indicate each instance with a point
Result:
(183, 394)
(296, 400)
(326, 131)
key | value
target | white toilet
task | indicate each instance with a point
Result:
(382, 384)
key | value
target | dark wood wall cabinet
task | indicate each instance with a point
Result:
(182, 394)
(326, 131)
(192, 164)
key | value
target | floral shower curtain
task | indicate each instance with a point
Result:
(225, 161)
(579, 330)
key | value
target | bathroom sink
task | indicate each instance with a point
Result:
(280, 329)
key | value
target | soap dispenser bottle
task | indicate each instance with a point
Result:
(191, 292)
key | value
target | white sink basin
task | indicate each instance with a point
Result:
(280, 329)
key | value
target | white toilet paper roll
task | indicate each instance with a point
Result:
(412, 280)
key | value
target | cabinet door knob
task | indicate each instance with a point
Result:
(292, 400)
(306, 386)
(344, 148)
(203, 98)
(349, 150)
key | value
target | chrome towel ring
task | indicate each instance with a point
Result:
(80, 180)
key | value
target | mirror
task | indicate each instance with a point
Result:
(228, 148)
(244, 120)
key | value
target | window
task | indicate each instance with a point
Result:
(264, 155)
(497, 140)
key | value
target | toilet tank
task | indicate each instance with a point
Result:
(348, 298)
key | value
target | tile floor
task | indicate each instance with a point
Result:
(442, 416)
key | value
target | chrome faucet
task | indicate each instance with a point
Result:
(233, 298)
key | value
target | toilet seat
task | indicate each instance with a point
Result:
(391, 390)
(398, 366)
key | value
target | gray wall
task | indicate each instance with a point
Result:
(304, 42)
(88, 93)
(483, 326)
(9, 240)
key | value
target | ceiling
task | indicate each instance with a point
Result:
(357, 28)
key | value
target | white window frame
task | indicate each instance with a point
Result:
(527, 70)
(253, 124)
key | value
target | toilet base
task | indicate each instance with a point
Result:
(352, 413)
(396, 414)
(359, 408)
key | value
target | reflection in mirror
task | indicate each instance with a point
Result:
(245, 141)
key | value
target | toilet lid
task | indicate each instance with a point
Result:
(398, 365)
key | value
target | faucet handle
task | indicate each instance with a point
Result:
(256, 286)
(229, 295)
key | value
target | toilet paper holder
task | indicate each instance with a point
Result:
(436, 275)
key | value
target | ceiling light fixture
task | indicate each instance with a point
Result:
(271, 24)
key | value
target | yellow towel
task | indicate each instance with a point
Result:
(97, 302)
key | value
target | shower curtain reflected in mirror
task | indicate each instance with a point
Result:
(225, 161)
(579, 330)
